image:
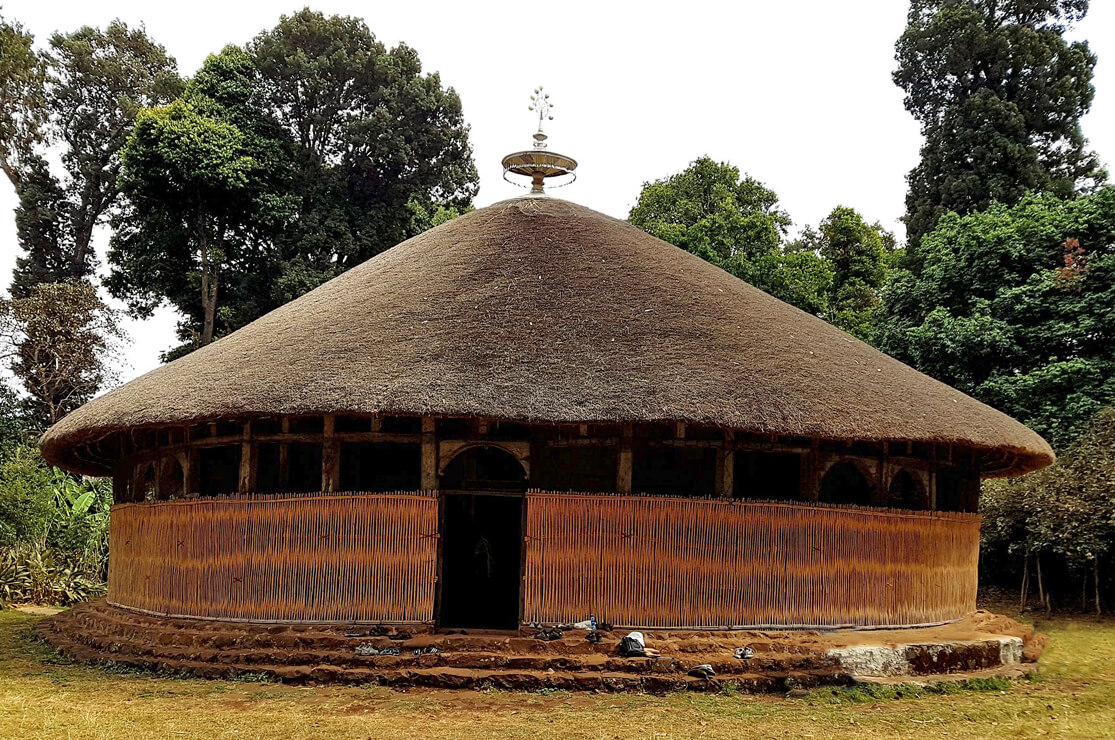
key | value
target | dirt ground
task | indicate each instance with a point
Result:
(44, 696)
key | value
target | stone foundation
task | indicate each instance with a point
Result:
(782, 659)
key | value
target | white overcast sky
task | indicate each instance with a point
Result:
(795, 93)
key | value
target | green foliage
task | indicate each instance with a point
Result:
(1066, 511)
(59, 341)
(734, 223)
(53, 531)
(23, 110)
(32, 574)
(1016, 306)
(207, 188)
(374, 137)
(282, 165)
(858, 256)
(82, 95)
(999, 94)
(26, 499)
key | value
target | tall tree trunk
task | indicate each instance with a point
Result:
(208, 287)
(1025, 581)
(1041, 586)
(1096, 577)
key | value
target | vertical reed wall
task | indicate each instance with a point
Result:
(632, 561)
(669, 562)
(321, 558)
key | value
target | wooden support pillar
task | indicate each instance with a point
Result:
(624, 460)
(284, 457)
(247, 481)
(429, 454)
(193, 472)
(121, 477)
(882, 495)
(330, 456)
(811, 473)
(726, 466)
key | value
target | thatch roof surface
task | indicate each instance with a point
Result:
(537, 309)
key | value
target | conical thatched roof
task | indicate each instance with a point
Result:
(537, 309)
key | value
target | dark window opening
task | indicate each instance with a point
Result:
(452, 428)
(220, 470)
(304, 468)
(508, 430)
(267, 468)
(588, 469)
(907, 492)
(401, 425)
(307, 425)
(371, 467)
(951, 489)
(266, 426)
(844, 483)
(484, 469)
(677, 471)
(767, 475)
(229, 428)
(352, 424)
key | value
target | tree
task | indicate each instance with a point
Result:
(1016, 306)
(999, 94)
(333, 148)
(22, 98)
(206, 184)
(83, 94)
(858, 257)
(374, 138)
(60, 342)
(1064, 512)
(735, 223)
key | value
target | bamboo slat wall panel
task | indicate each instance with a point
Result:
(318, 558)
(669, 562)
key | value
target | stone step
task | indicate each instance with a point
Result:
(461, 677)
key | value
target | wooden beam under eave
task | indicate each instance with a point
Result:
(429, 454)
(330, 456)
(246, 484)
(284, 456)
(726, 466)
(625, 460)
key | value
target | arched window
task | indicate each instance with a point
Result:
(907, 492)
(146, 487)
(170, 479)
(845, 483)
(484, 468)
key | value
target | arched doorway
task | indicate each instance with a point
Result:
(907, 492)
(482, 539)
(845, 483)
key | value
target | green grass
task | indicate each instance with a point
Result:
(44, 695)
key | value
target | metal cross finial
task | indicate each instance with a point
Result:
(540, 101)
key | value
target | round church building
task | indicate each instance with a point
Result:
(532, 414)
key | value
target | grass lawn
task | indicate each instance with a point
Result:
(43, 696)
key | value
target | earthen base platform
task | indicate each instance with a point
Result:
(980, 644)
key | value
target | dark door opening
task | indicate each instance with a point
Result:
(482, 540)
